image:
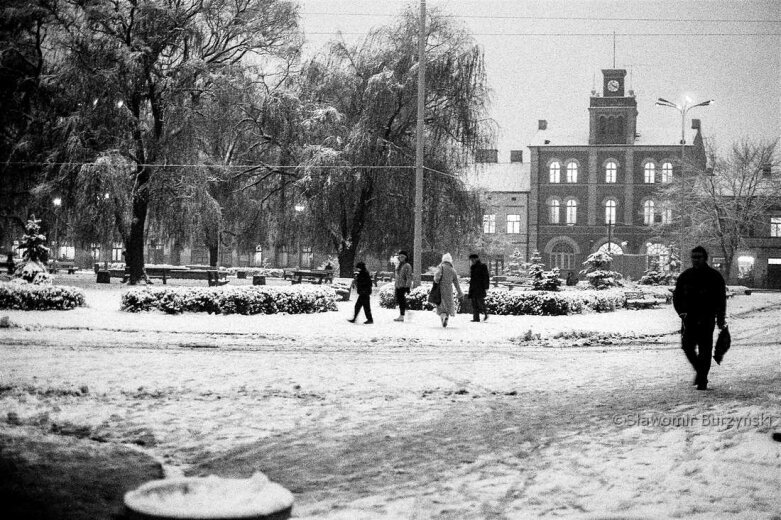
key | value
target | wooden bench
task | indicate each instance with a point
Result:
(55, 266)
(638, 300)
(212, 276)
(312, 277)
(343, 288)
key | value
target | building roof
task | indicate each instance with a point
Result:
(667, 136)
(499, 177)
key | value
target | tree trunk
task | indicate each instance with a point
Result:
(135, 243)
(346, 256)
(213, 253)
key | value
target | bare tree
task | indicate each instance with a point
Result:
(729, 200)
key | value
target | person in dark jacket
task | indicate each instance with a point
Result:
(700, 299)
(479, 282)
(363, 285)
(403, 283)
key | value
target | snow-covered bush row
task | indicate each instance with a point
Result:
(258, 299)
(515, 303)
(31, 297)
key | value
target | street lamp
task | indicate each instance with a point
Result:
(57, 203)
(683, 109)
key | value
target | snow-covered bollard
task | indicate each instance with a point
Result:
(202, 498)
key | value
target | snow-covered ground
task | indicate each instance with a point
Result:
(596, 419)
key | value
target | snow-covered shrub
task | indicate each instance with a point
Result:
(417, 299)
(656, 276)
(543, 280)
(35, 253)
(537, 303)
(598, 271)
(30, 297)
(259, 299)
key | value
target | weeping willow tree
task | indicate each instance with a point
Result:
(357, 172)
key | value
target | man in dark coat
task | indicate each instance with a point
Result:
(700, 299)
(363, 286)
(479, 282)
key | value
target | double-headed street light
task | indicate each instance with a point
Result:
(683, 109)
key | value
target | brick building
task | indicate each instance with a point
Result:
(595, 188)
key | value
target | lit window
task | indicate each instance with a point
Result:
(648, 212)
(775, 226)
(667, 172)
(513, 223)
(650, 172)
(572, 171)
(611, 248)
(667, 216)
(555, 172)
(553, 211)
(116, 252)
(489, 223)
(572, 212)
(611, 169)
(610, 211)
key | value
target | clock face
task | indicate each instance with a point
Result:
(612, 85)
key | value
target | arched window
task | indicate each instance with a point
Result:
(648, 212)
(572, 171)
(610, 211)
(610, 248)
(667, 215)
(554, 207)
(658, 256)
(572, 211)
(611, 172)
(554, 172)
(667, 172)
(562, 256)
(649, 171)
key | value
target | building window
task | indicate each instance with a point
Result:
(610, 211)
(307, 257)
(610, 248)
(554, 172)
(667, 216)
(489, 223)
(282, 256)
(199, 256)
(95, 252)
(513, 224)
(572, 171)
(553, 211)
(775, 226)
(562, 256)
(611, 171)
(648, 212)
(572, 211)
(116, 252)
(649, 171)
(658, 256)
(667, 172)
(226, 257)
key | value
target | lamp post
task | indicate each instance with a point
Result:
(299, 209)
(683, 110)
(57, 203)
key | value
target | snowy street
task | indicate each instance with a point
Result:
(594, 418)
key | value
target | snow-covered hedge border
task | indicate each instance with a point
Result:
(539, 303)
(258, 299)
(31, 297)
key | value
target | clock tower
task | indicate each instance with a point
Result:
(613, 115)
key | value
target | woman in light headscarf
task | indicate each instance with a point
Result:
(447, 277)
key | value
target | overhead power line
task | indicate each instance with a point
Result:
(573, 18)
(350, 33)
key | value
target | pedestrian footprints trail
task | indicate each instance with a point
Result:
(393, 426)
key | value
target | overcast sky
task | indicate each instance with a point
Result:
(543, 57)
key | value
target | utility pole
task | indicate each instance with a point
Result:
(417, 246)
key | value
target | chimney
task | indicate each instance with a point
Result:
(542, 124)
(695, 124)
(516, 156)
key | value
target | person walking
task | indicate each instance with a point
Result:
(700, 299)
(479, 282)
(403, 283)
(363, 285)
(447, 277)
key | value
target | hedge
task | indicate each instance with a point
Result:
(30, 297)
(514, 303)
(258, 299)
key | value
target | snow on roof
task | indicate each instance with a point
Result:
(666, 136)
(499, 177)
